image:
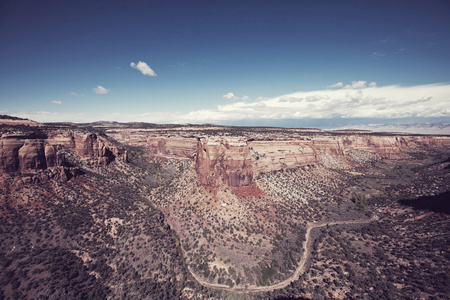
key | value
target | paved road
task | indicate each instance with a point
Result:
(307, 245)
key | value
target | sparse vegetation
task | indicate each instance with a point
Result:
(141, 229)
(360, 200)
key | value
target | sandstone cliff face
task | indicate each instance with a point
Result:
(330, 150)
(25, 153)
(31, 153)
(223, 161)
(32, 156)
(335, 151)
(236, 161)
(179, 147)
(89, 146)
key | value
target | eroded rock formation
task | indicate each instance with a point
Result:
(31, 153)
(89, 146)
(237, 160)
(177, 147)
(226, 161)
(26, 152)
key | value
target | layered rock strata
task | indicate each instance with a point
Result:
(225, 161)
(30, 153)
(89, 146)
(238, 160)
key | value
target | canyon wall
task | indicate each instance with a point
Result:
(232, 160)
(337, 151)
(226, 161)
(178, 147)
(89, 146)
(237, 160)
(31, 152)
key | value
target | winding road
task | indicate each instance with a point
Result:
(307, 245)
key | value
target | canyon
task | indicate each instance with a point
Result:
(236, 160)
(138, 210)
(219, 159)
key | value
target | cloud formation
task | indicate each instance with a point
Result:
(336, 85)
(359, 85)
(353, 101)
(76, 94)
(101, 90)
(361, 103)
(143, 68)
(56, 102)
(230, 96)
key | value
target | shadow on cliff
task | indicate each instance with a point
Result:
(439, 203)
(447, 161)
(72, 170)
(109, 156)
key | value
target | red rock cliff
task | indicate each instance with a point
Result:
(21, 153)
(24, 153)
(178, 147)
(226, 161)
(89, 146)
(236, 161)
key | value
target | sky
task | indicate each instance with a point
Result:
(290, 63)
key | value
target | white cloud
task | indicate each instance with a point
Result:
(360, 101)
(56, 102)
(369, 102)
(101, 90)
(143, 68)
(356, 85)
(76, 94)
(244, 98)
(336, 85)
(223, 114)
(230, 96)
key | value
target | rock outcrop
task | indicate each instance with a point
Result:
(21, 153)
(237, 160)
(89, 146)
(31, 153)
(178, 147)
(223, 161)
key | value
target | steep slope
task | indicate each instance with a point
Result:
(91, 236)
(39, 154)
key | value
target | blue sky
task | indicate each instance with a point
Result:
(222, 61)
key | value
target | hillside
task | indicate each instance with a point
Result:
(145, 211)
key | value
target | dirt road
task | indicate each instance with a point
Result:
(307, 245)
